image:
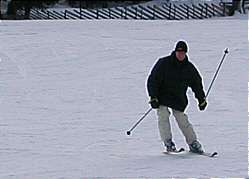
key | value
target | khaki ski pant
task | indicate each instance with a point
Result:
(182, 121)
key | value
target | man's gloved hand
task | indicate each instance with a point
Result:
(154, 102)
(202, 105)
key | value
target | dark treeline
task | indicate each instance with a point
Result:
(25, 6)
(101, 3)
(20, 9)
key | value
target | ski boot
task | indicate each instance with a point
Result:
(170, 146)
(195, 147)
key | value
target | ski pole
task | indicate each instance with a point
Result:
(216, 73)
(135, 125)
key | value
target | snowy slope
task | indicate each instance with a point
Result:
(69, 91)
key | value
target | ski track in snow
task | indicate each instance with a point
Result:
(69, 91)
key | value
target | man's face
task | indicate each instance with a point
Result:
(180, 55)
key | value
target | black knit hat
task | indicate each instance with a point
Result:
(181, 46)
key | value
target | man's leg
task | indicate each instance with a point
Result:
(164, 124)
(188, 131)
(185, 126)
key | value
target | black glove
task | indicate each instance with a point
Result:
(202, 105)
(154, 102)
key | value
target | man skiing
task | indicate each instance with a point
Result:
(167, 86)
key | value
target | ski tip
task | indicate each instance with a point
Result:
(214, 154)
(208, 154)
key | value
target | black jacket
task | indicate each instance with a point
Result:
(169, 80)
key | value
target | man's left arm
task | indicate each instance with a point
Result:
(197, 88)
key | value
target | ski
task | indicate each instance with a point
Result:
(174, 152)
(208, 154)
(182, 150)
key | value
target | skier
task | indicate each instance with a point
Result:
(167, 86)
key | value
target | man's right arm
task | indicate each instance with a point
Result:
(154, 80)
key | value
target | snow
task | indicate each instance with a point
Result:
(69, 91)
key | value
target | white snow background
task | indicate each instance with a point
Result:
(69, 91)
